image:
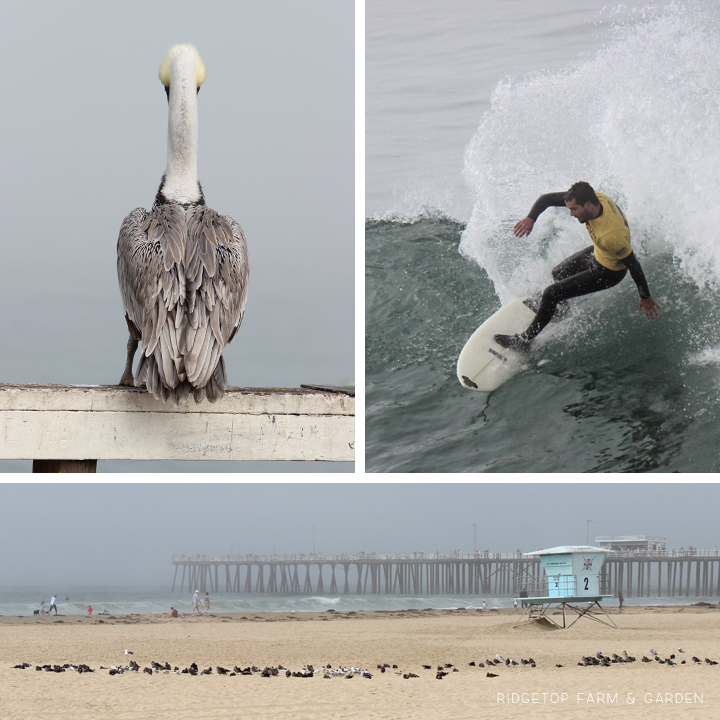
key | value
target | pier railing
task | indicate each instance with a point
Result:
(68, 428)
(479, 555)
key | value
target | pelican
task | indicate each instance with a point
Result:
(182, 267)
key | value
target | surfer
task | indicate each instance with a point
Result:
(599, 267)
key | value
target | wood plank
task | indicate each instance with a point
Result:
(99, 398)
(51, 422)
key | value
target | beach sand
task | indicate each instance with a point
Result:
(408, 639)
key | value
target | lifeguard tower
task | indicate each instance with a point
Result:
(572, 581)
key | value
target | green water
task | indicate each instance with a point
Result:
(604, 390)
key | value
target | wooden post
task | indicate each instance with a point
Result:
(712, 577)
(64, 466)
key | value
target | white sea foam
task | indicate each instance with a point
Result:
(640, 121)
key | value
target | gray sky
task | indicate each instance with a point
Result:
(83, 142)
(126, 533)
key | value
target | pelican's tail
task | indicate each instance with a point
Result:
(150, 373)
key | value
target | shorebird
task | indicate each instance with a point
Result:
(182, 267)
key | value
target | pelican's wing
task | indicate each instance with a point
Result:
(137, 264)
(152, 283)
(216, 268)
(234, 273)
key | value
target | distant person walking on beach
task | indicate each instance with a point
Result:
(89, 609)
(207, 602)
(53, 600)
(621, 598)
(195, 601)
(42, 607)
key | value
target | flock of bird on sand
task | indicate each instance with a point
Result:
(329, 672)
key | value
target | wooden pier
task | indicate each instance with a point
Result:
(655, 574)
(59, 426)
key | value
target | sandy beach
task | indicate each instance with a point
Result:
(409, 639)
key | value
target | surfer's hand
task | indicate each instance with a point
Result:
(651, 308)
(524, 227)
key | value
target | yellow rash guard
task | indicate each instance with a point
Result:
(610, 235)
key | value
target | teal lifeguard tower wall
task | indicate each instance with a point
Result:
(572, 571)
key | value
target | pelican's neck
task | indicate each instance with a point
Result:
(180, 183)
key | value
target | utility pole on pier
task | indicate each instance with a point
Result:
(587, 534)
(474, 525)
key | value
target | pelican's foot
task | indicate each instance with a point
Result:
(127, 378)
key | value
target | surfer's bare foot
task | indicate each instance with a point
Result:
(514, 342)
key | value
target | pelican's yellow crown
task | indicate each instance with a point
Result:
(164, 73)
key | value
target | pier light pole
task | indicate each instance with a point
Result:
(314, 529)
(474, 525)
(587, 534)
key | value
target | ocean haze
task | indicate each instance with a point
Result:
(84, 131)
(126, 534)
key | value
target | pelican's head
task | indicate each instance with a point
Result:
(175, 53)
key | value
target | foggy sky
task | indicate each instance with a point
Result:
(83, 140)
(108, 534)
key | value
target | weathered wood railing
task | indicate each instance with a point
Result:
(68, 428)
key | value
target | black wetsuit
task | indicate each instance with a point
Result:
(580, 274)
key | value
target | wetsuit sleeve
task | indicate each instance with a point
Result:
(545, 201)
(637, 274)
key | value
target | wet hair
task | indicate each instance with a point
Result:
(582, 192)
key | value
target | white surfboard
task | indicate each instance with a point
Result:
(484, 365)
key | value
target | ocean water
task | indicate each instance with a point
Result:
(144, 600)
(624, 97)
